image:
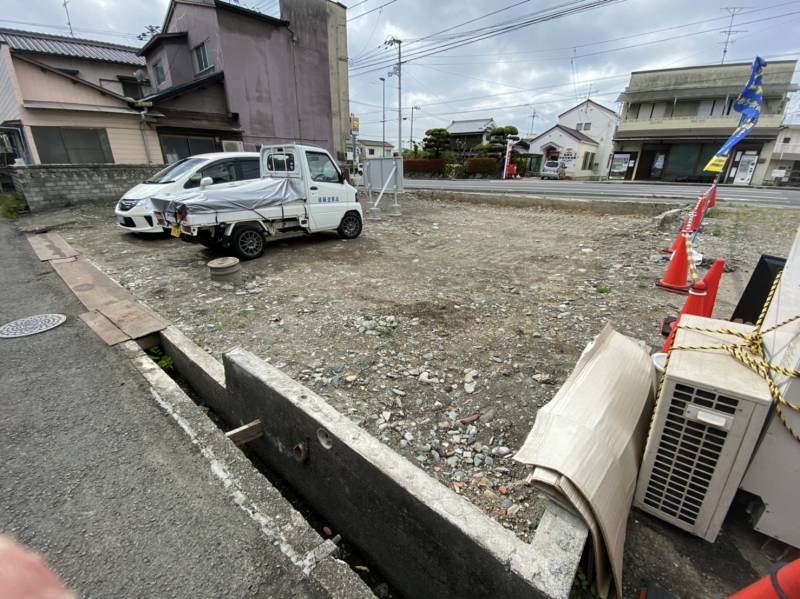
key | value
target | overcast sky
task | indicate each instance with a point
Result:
(545, 67)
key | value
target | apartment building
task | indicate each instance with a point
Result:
(674, 120)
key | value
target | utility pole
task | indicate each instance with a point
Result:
(397, 71)
(411, 134)
(383, 120)
(69, 22)
(732, 11)
(533, 118)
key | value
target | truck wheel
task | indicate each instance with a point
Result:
(350, 227)
(247, 242)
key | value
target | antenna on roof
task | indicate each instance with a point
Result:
(732, 11)
(66, 10)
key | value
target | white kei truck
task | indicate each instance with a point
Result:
(301, 191)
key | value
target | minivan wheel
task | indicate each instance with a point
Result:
(350, 227)
(247, 242)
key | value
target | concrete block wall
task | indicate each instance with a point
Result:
(53, 185)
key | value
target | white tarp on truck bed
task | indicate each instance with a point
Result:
(587, 444)
(252, 195)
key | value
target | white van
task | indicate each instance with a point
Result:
(135, 211)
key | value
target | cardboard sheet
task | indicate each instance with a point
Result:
(590, 439)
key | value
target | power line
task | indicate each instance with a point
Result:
(363, 14)
(557, 12)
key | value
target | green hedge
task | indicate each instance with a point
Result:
(423, 165)
(481, 166)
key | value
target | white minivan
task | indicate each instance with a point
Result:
(135, 211)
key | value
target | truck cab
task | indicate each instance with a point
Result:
(328, 194)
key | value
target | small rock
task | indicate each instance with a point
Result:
(501, 451)
(350, 378)
(542, 378)
(469, 388)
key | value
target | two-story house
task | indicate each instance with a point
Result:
(465, 135)
(674, 120)
(225, 72)
(784, 165)
(68, 100)
(581, 140)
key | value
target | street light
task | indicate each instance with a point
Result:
(411, 134)
(383, 119)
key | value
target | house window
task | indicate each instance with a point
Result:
(131, 88)
(579, 126)
(200, 58)
(787, 140)
(587, 126)
(158, 71)
(371, 151)
(70, 145)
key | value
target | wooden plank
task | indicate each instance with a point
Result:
(104, 328)
(248, 432)
(51, 246)
(133, 318)
(91, 286)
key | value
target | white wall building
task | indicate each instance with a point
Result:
(582, 140)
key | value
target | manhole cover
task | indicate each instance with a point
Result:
(30, 325)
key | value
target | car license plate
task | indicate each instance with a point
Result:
(175, 231)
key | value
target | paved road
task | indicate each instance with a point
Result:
(773, 196)
(97, 479)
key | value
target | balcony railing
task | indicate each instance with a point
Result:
(786, 149)
(688, 122)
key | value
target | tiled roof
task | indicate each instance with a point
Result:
(471, 126)
(75, 47)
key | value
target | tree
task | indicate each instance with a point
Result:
(498, 138)
(149, 32)
(436, 141)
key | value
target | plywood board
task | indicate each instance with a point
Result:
(104, 328)
(133, 318)
(51, 246)
(91, 286)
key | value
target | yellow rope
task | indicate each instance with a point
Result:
(750, 352)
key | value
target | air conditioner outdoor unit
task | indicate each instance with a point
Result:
(230, 145)
(707, 421)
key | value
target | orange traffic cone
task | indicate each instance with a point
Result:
(673, 326)
(677, 274)
(784, 582)
(712, 195)
(712, 279)
(695, 303)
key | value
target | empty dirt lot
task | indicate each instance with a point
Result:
(441, 332)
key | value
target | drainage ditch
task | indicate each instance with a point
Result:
(358, 562)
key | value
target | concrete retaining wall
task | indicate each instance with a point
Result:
(428, 541)
(52, 185)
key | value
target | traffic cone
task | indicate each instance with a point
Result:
(784, 582)
(673, 326)
(712, 196)
(695, 302)
(712, 279)
(677, 274)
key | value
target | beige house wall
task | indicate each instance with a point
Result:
(104, 74)
(124, 135)
(123, 130)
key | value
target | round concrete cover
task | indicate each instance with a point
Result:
(30, 325)
(225, 262)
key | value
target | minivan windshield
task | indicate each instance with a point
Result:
(176, 170)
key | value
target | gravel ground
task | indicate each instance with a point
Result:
(443, 331)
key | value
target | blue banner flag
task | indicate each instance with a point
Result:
(749, 104)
